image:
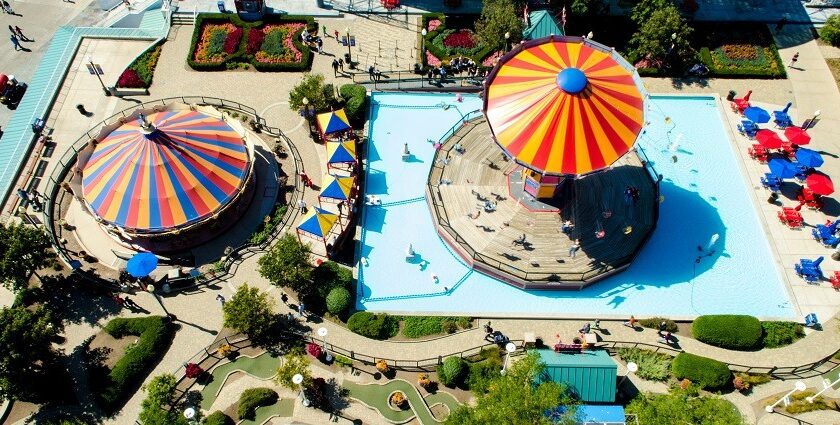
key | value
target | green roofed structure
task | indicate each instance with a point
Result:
(542, 25)
(590, 373)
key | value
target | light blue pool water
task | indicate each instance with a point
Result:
(704, 194)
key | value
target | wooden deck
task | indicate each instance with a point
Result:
(543, 262)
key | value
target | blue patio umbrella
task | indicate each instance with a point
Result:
(782, 168)
(141, 264)
(809, 157)
(757, 115)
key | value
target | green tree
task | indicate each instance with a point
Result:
(683, 407)
(338, 300)
(643, 10)
(26, 336)
(296, 362)
(663, 35)
(250, 311)
(287, 264)
(23, 250)
(830, 32)
(497, 18)
(319, 94)
(156, 408)
(516, 398)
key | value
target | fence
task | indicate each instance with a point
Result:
(236, 255)
(399, 80)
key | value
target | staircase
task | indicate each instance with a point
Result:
(183, 17)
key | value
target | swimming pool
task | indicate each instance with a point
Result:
(704, 194)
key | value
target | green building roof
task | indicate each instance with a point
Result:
(542, 25)
(591, 373)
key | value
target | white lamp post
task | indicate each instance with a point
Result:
(510, 348)
(95, 70)
(631, 368)
(189, 415)
(322, 332)
(798, 386)
(423, 32)
(298, 380)
(507, 36)
(810, 123)
(349, 54)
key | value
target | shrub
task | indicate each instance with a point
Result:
(779, 334)
(398, 399)
(731, 331)
(294, 363)
(451, 372)
(683, 407)
(423, 380)
(482, 374)
(253, 398)
(800, 404)
(830, 32)
(133, 367)
(218, 418)
(708, 373)
(464, 322)
(652, 366)
(419, 326)
(653, 323)
(338, 301)
(376, 326)
(355, 101)
(343, 361)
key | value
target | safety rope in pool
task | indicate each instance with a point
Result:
(427, 295)
(441, 105)
(403, 202)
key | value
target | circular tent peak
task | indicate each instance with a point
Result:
(572, 80)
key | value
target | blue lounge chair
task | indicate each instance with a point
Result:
(748, 128)
(811, 320)
(781, 118)
(809, 269)
(801, 172)
(827, 235)
(771, 182)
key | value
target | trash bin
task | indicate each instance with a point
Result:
(731, 95)
(221, 5)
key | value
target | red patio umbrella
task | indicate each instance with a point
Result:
(819, 183)
(768, 138)
(797, 136)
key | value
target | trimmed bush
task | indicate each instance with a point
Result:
(779, 334)
(452, 371)
(652, 366)
(218, 418)
(481, 374)
(830, 32)
(653, 323)
(338, 301)
(420, 326)
(376, 326)
(731, 331)
(355, 101)
(708, 373)
(138, 360)
(253, 398)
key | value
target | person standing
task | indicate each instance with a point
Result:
(19, 33)
(301, 310)
(320, 43)
(631, 323)
(335, 67)
(574, 248)
(662, 327)
(794, 59)
(8, 8)
(302, 206)
(15, 42)
(341, 65)
(221, 300)
(372, 73)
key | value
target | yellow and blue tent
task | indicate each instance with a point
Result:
(337, 188)
(341, 152)
(331, 122)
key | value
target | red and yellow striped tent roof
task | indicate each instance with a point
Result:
(564, 105)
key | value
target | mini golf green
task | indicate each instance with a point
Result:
(284, 407)
(376, 397)
(263, 366)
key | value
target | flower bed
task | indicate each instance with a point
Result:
(224, 41)
(140, 72)
(739, 50)
(451, 37)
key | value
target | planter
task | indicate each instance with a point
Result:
(397, 401)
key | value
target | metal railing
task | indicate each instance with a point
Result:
(399, 80)
(237, 254)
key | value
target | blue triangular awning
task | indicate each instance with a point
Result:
(318, 223)
(542, 25)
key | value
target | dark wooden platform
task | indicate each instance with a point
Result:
(543, 262)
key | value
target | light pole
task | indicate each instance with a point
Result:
(306, 114)
(95, 70)
(810, 123)
(423, 32)
(590, 35)
(507, 36)
(151, 289)
(298, 380)
(349, 53)
(189, 415)
(631, 368)
(509, 348)
(798, 386)
(322, 332)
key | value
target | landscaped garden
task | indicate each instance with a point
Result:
(449, 37)
(141, 71)
(738, 50)
(223, 41)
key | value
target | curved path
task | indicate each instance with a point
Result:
(376, 396)
(263, 367)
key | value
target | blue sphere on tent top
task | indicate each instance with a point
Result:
(571, 80)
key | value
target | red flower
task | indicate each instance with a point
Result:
(461, 38)
(193, 370)
(314, 350)
(232, 40)
(255, 40)
(130, 79)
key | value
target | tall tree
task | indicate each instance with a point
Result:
(250, 311)
(312, 87)
(26, 336)
(516, 398)
(642, 11)
(287, 264)
(683, 407)
(156, 408)
(23, 250)
(664, 35)
(497, 18)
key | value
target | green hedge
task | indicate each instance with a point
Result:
(218, 418)
(830, 32)
(338, 300)
(138, 360)
(240, 54)
(376, 326)
(731, 331)
(477, 54)
(420, 326)
(252, 398)
(708, 373)
(779, 334)
(355, 102)
(452, 372)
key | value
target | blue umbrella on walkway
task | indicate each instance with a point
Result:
(809, 157)
(141, 264)
(782, 168)
(757, 115)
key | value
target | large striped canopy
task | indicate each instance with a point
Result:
(564, 105)
(183, 171)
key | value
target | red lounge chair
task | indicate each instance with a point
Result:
(739, 105)
(758, 153)
(835, 281)
(788, 149)
(790, 217)
(810, 199)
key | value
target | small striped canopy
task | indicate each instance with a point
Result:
(564, 105)
(184, 171)
(332, 122)
(337, 187)
(318, 222)
(341, 152)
